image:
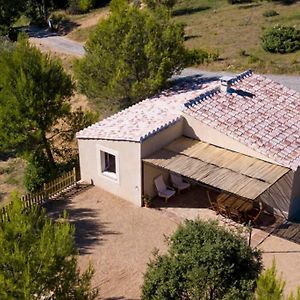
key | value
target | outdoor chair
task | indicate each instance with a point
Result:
(213, 203)
(254, 214)
(178, 182)
(163, 190)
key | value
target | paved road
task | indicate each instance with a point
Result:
(292, 82)
(51, 41)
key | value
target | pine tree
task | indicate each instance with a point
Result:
(269, 286)
(38, 258)
(131, 55)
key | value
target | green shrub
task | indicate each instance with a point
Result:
(152, 4)
(269, 286)
(281, 39)
(200, 56)
(270, 13)
(37, 172)
(57, 19)
(204, 261)
(80, 6)
(39, 257)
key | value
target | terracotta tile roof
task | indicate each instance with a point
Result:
(257, 112)
(147, 117)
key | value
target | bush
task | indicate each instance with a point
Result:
(270, 13)
(80, 6)
(269, 286)
(152, 4)
(37, 171)
(57, 20)
(281, 39)
(204, 261)
(199, 56)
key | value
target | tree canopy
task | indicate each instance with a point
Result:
(131, 55)
(10, 11)
(35, 93)
(39, 258)
(204, 261)
(35, 112)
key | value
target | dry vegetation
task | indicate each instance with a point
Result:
(235, 31)
(86, 24)
(232, 30)
(11, 177)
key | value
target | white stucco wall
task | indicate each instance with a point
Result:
(161, 139)
(197, 130)
(128, 158)
(150, 146)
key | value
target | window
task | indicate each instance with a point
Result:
(109, 164)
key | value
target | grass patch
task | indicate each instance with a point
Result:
(81, 34)
(218, 26)
(11, 178)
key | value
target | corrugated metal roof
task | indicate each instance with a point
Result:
(227, 170)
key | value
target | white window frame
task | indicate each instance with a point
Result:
(100, 150)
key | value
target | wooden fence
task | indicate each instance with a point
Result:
(50, 190)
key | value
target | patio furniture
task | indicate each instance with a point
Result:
(213, 203)
(163, 190)
(179, 183)
(234, 207)
(254, 214)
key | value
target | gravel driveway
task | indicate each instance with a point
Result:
(118, 238)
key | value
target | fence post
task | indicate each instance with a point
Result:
(46, 191)
(74, 177)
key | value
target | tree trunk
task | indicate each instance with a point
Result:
(48, 151)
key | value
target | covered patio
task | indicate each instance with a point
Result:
(231, 182)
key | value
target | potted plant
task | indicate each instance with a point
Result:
(147, 200)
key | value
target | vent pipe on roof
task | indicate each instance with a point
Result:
(226, 83)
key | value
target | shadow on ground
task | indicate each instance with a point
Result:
(43, 32)
(89, 230)
(189, 10)
(196, 198)
(118, 298)
(188, 83)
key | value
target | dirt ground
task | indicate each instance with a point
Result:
(118, 238)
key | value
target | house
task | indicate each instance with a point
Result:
(240, 135)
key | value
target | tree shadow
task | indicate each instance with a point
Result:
(189, 83)
(4, 156)
(66, 27)
(192, 36)
(286, 2)
(188, 10)
(101, 3)
(248, 5)
(89, 230)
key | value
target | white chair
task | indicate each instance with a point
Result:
(178, 183)
(163, 190)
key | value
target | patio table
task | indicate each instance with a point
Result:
(234, 206)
